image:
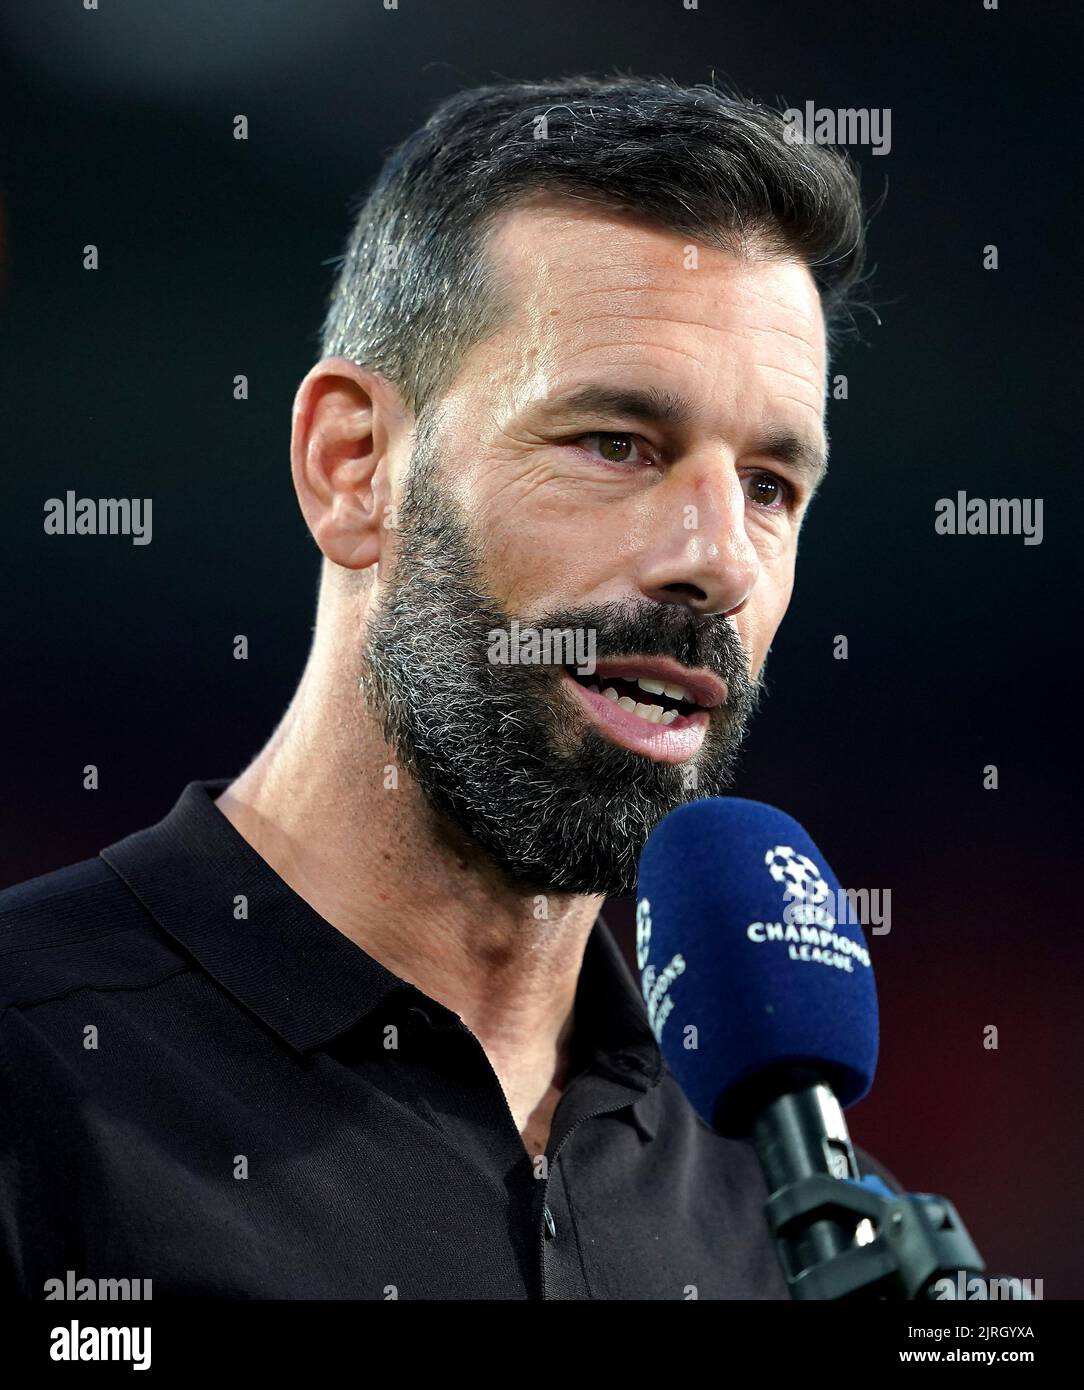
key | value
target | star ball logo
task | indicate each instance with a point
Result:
(804, 886)
(808, 928)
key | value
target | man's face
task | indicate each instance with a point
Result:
(629, 458)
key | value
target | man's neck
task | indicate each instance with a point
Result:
(373, 860)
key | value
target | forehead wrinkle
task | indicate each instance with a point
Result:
(775, 328)
(651, 289)
(545, 281)
(809, 351)
(754, 292)
(813, 409)
(657, 318)
(541, 272)
(725, 329)
(524, 241)
(774, 367)
(624, 343)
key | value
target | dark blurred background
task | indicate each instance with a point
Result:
(216, 260)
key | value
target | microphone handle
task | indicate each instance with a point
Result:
(803, 1134)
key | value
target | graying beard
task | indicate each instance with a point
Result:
(541, 829)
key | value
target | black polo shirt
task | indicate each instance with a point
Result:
(205, 1084)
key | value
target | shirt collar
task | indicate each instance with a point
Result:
(206, 886)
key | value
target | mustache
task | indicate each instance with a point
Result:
(632, 628)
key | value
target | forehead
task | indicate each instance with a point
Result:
(597, 289)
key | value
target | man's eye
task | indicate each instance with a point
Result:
(614, 447)
(767, 491)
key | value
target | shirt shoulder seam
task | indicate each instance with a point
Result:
(22, 1005)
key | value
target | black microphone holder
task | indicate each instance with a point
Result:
(837, 1237)
(917, 1239)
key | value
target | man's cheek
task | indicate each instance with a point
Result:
(758, 633)
(538, 568)
(778, 586)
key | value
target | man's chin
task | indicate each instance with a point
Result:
(573, 880)
(592, 850)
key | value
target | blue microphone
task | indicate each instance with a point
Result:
(759, 987)
(760, 991)
(757, 981)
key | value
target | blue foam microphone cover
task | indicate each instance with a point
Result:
(756, 976)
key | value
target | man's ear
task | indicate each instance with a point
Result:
(345, 419)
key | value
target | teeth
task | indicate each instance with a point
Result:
(653, 687)
(653, 713)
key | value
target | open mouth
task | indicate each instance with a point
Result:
(656, 701)
(652, 707)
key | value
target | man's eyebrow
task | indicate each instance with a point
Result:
(658, 407)
(649, 404)
(797, 452)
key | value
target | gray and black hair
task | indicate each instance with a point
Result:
(415, 290)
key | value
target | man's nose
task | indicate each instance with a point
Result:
(700, 553)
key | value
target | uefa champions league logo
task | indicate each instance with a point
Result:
(808, 929)
(807, 895)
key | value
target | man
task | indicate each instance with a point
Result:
(350, 1025)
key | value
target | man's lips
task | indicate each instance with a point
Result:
(673, 742)
(703, 687)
